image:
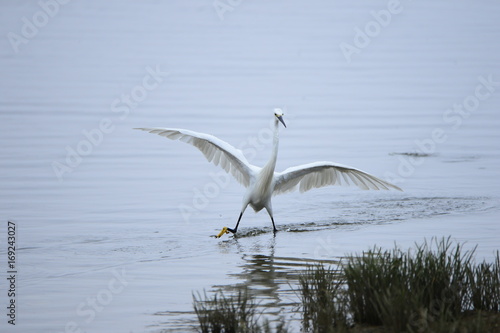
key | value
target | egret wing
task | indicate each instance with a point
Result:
(214, 149)
(319, 174)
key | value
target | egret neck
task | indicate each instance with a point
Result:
(267, 173)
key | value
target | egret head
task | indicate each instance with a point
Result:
(278, 113)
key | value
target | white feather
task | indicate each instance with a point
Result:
(215, 150)
(319, 174)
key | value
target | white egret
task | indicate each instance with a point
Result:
(263, 183)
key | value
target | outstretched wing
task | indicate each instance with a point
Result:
(215, 150)
(319, 174)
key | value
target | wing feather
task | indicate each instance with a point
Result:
(214, 149)
(319, 174)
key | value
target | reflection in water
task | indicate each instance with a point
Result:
(272, 280)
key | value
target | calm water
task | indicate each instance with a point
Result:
(114, 226)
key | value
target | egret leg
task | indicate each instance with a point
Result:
(274, 227)
(270, 212)
(237, 224)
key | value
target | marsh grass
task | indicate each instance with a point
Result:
(435, 287)
(323, 300)
(484, 283)
(405, 290)
(231, 314)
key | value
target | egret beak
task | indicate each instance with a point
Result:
(280, 118)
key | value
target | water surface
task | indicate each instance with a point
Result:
(122, 238)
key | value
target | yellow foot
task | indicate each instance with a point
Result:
(222, 232)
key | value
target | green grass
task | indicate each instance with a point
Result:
(323, 300)
(484, 281)
(231, 314)
(404, 291)
(435, 287)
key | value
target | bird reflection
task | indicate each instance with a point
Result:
(271, 279)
